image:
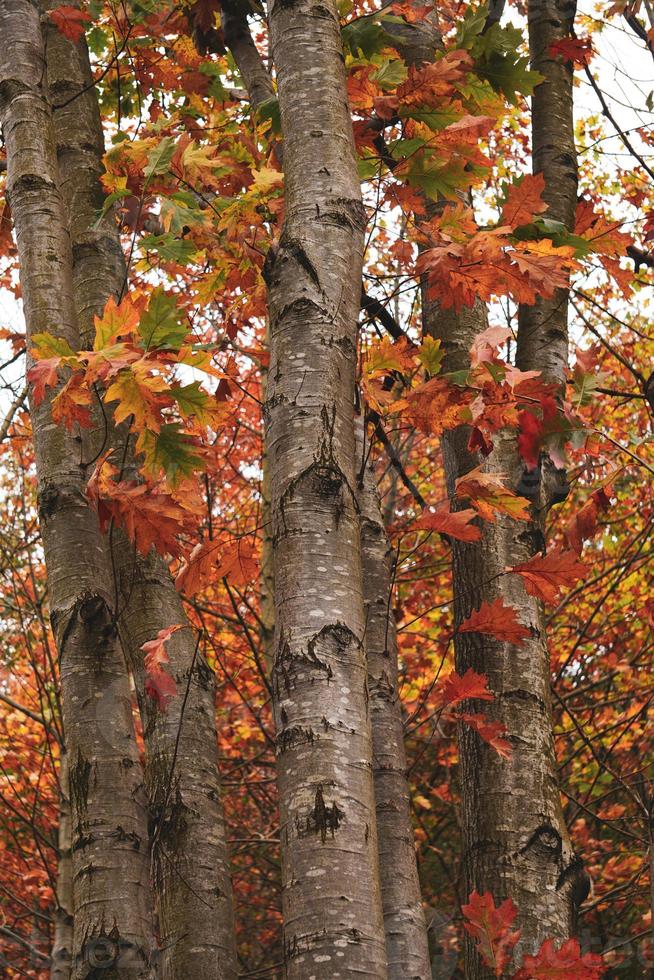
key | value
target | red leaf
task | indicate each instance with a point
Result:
(533, 430)
(456, 688)
(524, 201)
(545, 576)
(491, 925)
(552, 964)
(496, 619)
(491, 732)
(42, 375)
(70, 21)
(578, 50)
(457, 524)
(158, 683)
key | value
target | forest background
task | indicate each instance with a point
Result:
(192, 180)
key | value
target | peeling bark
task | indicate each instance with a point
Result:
(112, 908)
(190, 863)
(407, 948)
(331, 895)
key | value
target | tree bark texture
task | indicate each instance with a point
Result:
(112, 906)
(331, 897)
(407, 948)
(62, 944)
(543, 328)
(190, 861)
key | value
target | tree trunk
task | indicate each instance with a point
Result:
(543, 331)
(62, 945)
(112, 908)
(190, 856)
(331, 894)
(407, 948)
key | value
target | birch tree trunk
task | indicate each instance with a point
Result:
(112, 909)
(407, 948)
(331, 894)
(190, 857)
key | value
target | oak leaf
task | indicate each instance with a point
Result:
(524, 201)
(70, 21)
(457, 523)
(455, 688)
(210, 562)
(568, 961)
(489, 496)
(490, 926)
(545, 575)
(497, 620)
(158, 682)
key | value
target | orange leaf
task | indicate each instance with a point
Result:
(208, 563)
(545, 576)
(524, 201)
(489, 495)
(158, 683)
(457, 524)
(490, 731)
(70, 21)
(497, 620)
(490, 926)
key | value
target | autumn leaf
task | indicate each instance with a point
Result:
(490, 731)
(455, 688)
(545, 576)
(117, 320)
(457, 523)
(498, 620)
(158, 682)
(524, 201)
(490, 497)
(136, 392)
(43, 375)
(490, 927)
(386, 355)
(551, 963)
(210, 562)
(72, 405)
(578, 50)
(70, 21)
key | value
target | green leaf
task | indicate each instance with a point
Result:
(390, 73)
(160, 326)
(159, 157)
(192, 400)
(172, 451)
(269, 109)
(48, 346)
(365, 37)
(169, 248)
(431, 355)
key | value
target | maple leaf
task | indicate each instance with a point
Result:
(524, 201)
(490, 926)
(435, 405)
(160, 326)
(117, 320)
(70, 21)
(490, 731)
(487, 343)
(386, 355)
(497, 620)
(544, 576)
(43, 375)
(578, 50)
(551, 963)
(533, 430)
(457, 523)
(489, 496)
(73, 403)
(158, 682)
(136, 392)
(208, 562)
(455, 688)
